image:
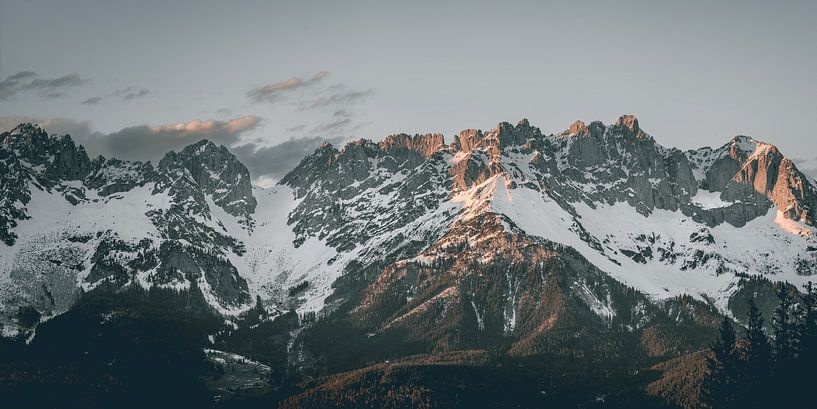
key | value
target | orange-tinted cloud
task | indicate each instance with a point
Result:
(274, 92)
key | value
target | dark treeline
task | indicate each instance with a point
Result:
(760, 368)
(580, 377)
(115, 348)
(139, 347)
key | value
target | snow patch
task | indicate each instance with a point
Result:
(709, 200)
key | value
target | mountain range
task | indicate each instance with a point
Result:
(502, 240)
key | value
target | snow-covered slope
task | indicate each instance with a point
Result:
(666, 254)
(70, 224)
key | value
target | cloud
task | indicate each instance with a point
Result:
(29, 82)
(82, 129)
(333, 127)
(273, 162)
(275, 92)
(92, 101)
(142, 142)
(343, 98)
(340, 122)
(317, 99)
(123, 94)
(15, 83)
(129, 93)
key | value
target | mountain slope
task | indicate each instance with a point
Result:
(652, 217)
(71, 223)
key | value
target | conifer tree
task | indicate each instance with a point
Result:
(799, 377)
(754, 371)
(783, 328)
(808, 322)
(720, 386)
(757, 350)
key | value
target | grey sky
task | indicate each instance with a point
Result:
(695, 73)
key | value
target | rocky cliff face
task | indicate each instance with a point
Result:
(503, 233)
(423, 145)
(218, 174)
(29, 154)
(770, 175)
(68, 222)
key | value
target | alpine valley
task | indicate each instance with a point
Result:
(500, 268)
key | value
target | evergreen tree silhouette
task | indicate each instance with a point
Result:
(808, 323)
(754, 371)
(804, 369)
(720, 387)
(784, 328)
